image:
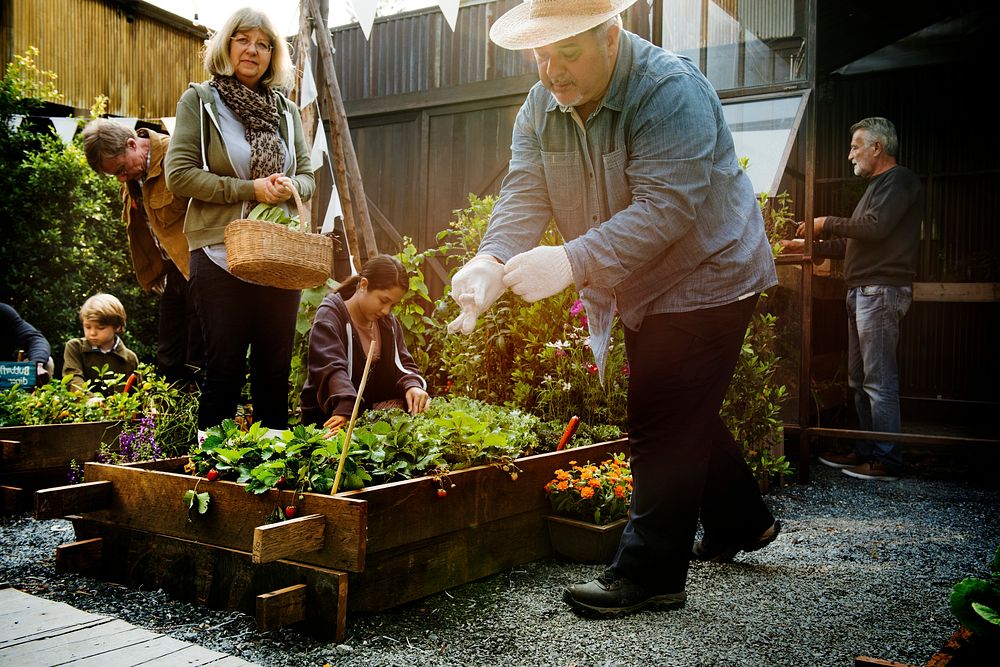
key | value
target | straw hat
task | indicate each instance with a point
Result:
(539, 22)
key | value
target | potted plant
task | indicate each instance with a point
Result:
(590, 504)
(975, 603)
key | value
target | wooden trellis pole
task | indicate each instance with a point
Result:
(347, 174)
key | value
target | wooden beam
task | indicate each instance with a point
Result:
(79, 556)
(905, 438)
(14, 499)
(61, 501)
(288, 538)
(341, 131)
(282, 607)
(151, 501)
(957, 292)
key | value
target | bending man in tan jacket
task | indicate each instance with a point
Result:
(154, 220)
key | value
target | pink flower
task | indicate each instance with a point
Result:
(583, 321)
(560, 352)
(626, 371)
(576, 308)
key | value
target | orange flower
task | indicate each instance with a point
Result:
(619, 491)
(562, 486)
(587, 492)
(594, 482)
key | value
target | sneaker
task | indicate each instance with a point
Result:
(873, 470)
(612, 595)
(704, 551)
(841, 460)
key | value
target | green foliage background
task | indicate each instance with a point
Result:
(63, 239)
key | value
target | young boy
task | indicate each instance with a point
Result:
(103, 318)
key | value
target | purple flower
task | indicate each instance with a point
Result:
(576, 308)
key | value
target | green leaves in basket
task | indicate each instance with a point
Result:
(272, 213)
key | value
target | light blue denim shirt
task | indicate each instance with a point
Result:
(657, 215)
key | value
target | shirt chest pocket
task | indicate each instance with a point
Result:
(564, 180)
(166, 208)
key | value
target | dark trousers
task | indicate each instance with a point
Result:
(180, 349)
(236, 316)
(684, 460)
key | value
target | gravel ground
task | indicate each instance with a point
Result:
(860, 568)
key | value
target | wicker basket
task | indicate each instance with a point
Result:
(270, 254)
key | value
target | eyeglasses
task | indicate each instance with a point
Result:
(245, 43)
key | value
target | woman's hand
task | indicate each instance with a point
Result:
(273, 189)
(334, 425)
(417, 400)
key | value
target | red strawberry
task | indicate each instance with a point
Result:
(442, 493)
(212, 475)
(291, 511)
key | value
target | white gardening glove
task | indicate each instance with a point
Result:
(475, 287)
(538, 273)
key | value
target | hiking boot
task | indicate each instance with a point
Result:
(612, 595)
(873, 470)
(705, 551)
(841, 460)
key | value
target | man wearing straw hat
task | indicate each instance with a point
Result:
(624, 144)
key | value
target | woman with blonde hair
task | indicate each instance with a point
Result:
(238, 141)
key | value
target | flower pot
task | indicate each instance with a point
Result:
(584, 542)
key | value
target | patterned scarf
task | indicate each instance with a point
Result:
(259, 114)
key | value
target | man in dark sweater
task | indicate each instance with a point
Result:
(879, 246)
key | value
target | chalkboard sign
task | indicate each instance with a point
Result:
(17, 372)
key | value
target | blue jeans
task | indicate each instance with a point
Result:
(873, 315)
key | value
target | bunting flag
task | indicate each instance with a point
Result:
(333, 211)
(127, 122)
(450, 10)
(65, 128)
(365, 10)
(168, 124)
(307, 89)
(319, 147)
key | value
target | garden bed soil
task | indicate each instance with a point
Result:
(36, 457)
(360, 551)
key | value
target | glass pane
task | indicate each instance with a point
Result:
(739, 43)
(761, 131)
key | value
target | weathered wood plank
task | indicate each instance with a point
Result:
(413, 571)
(14, 499)
(957, 292)
(61, 501)
(218, 577)
(410, 511)
(152, 501)
(289, 538)
(78, 556)
(53, 445)
(166, 650)
(282, 607)
(73, 645)
(25, 617)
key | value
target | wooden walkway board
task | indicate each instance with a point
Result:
(35, 631)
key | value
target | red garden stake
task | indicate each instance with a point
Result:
(574, 421)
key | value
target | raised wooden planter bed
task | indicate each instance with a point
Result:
(35, 457)
(365, 550)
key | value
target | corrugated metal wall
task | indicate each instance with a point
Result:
(141, 64)
(946, 349)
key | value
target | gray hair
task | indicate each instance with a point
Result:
(105, 139)
(881, 130)
(279, 71)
